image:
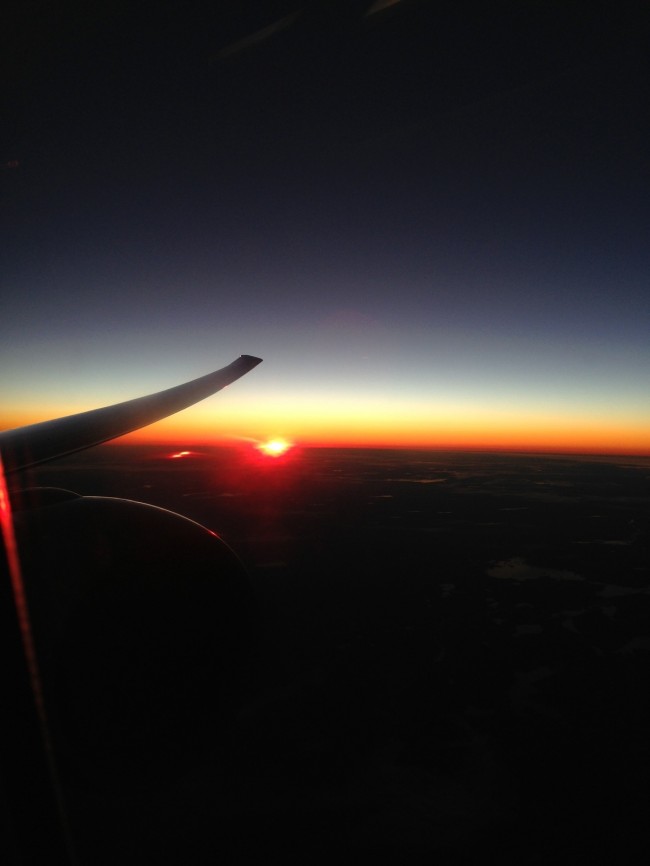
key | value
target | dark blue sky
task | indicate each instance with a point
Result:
(429, 204)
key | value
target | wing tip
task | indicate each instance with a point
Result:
(252, 360)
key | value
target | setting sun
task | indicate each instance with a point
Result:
(274, 447)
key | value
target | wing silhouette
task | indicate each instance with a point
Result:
(27, 446)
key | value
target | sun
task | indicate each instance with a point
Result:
(274, 447)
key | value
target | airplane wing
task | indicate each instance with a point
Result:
(37, 443)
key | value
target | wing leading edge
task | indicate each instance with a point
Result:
(37, 443)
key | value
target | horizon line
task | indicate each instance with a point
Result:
(460, 449)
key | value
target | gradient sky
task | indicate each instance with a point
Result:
(431, 222)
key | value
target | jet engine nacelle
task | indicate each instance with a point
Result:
(145, 628)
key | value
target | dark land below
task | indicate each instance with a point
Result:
(454, 660)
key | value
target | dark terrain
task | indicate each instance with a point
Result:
(454, 666)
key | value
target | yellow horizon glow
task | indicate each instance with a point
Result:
(380, 423)
(452, 428)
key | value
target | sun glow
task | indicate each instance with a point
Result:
(274, 447)
(372, 421)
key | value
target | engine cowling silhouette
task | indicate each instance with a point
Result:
(146, 632)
